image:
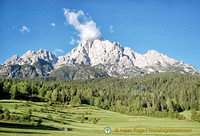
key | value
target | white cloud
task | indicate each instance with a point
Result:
(58, 51)
(87, 28)
(73, 41)
(24, 29)
(111, 29)
(53, 24)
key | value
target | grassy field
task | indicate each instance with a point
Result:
(70, 118)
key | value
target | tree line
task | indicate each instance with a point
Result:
(160, 95)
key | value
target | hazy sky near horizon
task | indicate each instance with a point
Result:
(171, 27)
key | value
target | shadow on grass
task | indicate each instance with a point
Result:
(10, 102)
(19, 132)
(56, 121)
(25, 126)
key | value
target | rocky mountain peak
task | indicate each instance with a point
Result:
(30, 57)
(12, 60)
(152, 58)
(153, 52)
(95, 52)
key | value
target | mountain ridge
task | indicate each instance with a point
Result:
(109, 57)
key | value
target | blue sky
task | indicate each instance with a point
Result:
(171, 27)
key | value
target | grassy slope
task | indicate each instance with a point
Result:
(187, 114)
(71, 116)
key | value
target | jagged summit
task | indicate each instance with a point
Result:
(93, 53)
(109, 57)
(106, 52)
(30, 57)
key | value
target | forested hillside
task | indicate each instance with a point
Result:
(162, 95)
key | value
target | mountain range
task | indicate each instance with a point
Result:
(90, 59)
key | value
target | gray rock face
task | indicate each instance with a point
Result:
(106, 56)
(94, 53)
(17, 71)
(30, 57)
(106, 52)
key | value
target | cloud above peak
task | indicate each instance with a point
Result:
(85, 26)
(58, 51)
(73, 41)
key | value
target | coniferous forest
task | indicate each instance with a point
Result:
(157, 95)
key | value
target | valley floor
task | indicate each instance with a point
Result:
(70, 118)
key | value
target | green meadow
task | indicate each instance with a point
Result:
(60, 120)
